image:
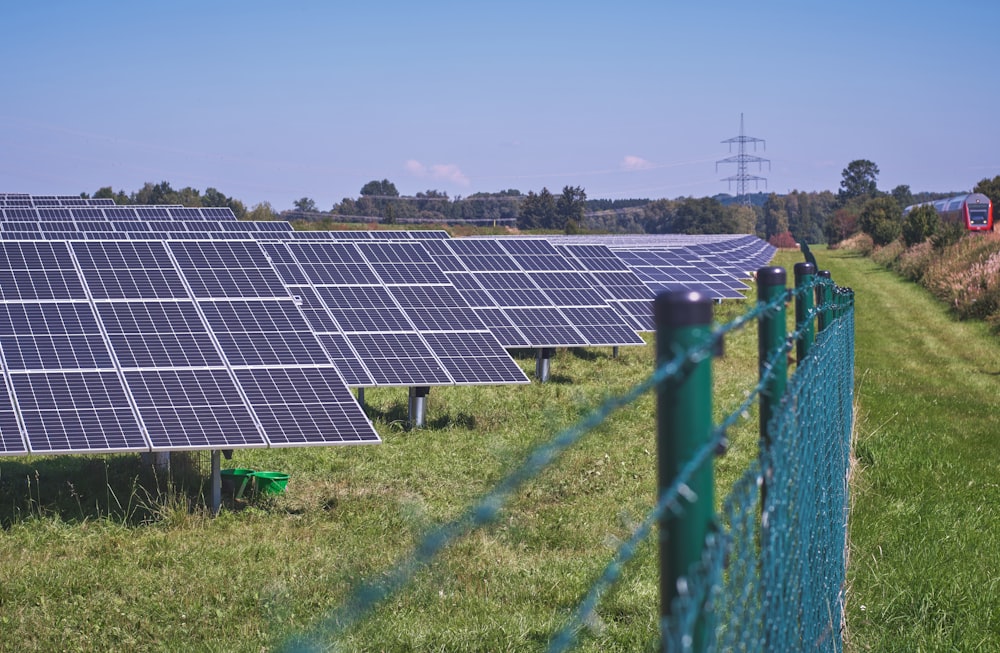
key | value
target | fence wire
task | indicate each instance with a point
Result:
(771, 577)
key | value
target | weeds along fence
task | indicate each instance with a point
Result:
(766, 570)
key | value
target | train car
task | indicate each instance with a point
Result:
(973, 211)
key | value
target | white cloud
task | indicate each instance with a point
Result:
(632, 162)
(441, 171)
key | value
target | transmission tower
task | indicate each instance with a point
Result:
(742, 161)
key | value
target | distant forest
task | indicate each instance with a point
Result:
(812, 217)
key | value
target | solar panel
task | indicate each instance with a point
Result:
(76, 411)
(138, 345)
(263, 334)
(11, 440)
(382, 300)
(615, 282)
(305, 405)
(520, 288)
(184, 395)
(385, 343)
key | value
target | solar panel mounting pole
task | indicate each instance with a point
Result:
(418, 406)
(543, 359)
(216, 483)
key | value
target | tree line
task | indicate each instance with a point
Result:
(799, 216)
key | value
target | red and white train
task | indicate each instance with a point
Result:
(973, 211)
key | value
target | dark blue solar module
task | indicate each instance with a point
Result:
(158, 334)
(307, 405)
(124, 358)
(192, 409)
(35, 270)
(129, 270)
(51, 336)
(216, 269)
(76, 411)
(11, 441)
(615, 283)
(346, 359)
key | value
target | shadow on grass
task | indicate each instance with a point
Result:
(116, 487)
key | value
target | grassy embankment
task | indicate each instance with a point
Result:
(925, 542)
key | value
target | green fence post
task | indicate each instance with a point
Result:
(771, 334)
(772, 358)
(805, 301)
(824, 297)
(684, 427)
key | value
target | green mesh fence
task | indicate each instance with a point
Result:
(771, 575)
(767, 570)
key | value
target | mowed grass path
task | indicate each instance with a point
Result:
(924, 568)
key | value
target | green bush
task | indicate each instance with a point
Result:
(881, 218)
(920, 224)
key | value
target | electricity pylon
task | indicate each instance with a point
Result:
(742, 161)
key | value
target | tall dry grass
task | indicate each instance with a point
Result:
(964, 275)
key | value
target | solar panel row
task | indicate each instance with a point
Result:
(138, 328)
(119, 346)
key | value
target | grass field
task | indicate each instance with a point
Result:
(924, 567)
(92, 557)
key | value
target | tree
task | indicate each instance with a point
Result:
(150, 193)
(306, 205)
(106, 192)
(859, 179)
(902, 195)
(991, 189)
(744, 218)
(703, 216)
(262, 211)
(538, 211)
(384, 188)
(842, 225)
(775, 216)
(881, 218)
(570, 207)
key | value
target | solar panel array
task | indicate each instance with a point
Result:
(163, 328)
(715, 265)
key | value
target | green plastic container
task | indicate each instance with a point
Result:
(237, 481)
(271, 483)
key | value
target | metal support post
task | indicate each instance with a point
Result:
(824, 298)
(543, 360)
(418, 406)
(771, 335)
(805, 302)
(216, 483)
(684, 427)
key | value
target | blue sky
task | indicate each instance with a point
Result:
(278, 101)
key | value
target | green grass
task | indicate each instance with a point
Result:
(924, 571)
(95, 556)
